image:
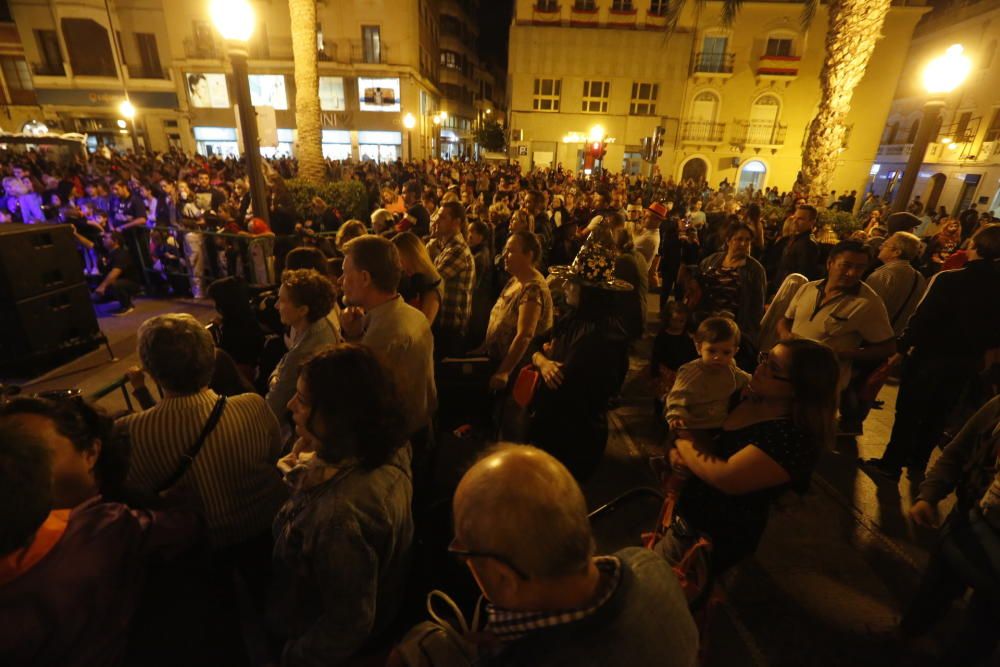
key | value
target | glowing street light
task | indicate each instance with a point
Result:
(409, 122)
(127, 109)
(941, 76)
(234, 19)
(597, 133)
(947, 72)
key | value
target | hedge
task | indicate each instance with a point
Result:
(348, 197)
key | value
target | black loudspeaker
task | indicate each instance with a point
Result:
(45, 308)
(35, 259)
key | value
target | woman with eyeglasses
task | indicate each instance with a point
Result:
(342, 541)
(733, 281)
(770, 443)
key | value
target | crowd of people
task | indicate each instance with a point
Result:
(291, 459)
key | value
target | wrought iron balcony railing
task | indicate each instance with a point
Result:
(759, 133)
(713, 63)
(702, 131)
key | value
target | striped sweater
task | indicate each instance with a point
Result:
(234, 474)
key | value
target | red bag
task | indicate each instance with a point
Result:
(526, 385)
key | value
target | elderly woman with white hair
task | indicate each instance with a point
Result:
(224, 448)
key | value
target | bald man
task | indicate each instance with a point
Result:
(521, 527)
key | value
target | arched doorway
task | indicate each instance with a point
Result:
(752, 174)
(696, 169)
(934, 192)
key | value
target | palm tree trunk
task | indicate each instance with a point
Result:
(309, 152)
(854, 28)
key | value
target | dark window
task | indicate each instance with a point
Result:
(993, 131)
(372, 43)
(621, 5)
(5, 14)
(18, 78)
(121, 47)
(658, 7)
(89, 47)
(149, 56)
(778, 47)
(586, 5)
(962, 126)
(893, 131)
(51, 54)
(547, 5)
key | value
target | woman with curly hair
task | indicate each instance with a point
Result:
(342, 541)
(305, 298)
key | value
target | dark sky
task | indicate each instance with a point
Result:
(494, 23)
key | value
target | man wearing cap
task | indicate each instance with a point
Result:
(647, 236)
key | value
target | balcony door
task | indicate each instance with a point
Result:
(713, 52)
(704, 110)
(763, 119)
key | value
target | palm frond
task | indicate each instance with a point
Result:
(730, 8)
(673, 15)
(808, 13)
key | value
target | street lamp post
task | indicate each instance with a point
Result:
(409, 122)
(127, 110)
(941, 76)
(234, 19)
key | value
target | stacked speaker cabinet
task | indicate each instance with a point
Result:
(46, 316)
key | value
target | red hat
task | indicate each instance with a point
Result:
(658, 209)
(258, 226)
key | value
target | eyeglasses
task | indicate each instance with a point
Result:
(463, 555)
(773, 369)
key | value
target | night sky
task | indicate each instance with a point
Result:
(494, 23)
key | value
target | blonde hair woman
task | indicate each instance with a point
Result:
(421, 286)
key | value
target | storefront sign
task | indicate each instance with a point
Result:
(335, 119)
(106, 98)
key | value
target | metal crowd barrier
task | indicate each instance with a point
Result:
(207, 255)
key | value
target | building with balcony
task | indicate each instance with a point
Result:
(735, 102)
(962, 163)
(469, 92)
(378, 60)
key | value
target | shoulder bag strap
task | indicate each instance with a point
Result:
(187, 458)
(913, 288)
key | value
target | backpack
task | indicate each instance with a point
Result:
(441, 642)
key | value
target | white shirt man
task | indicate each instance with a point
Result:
(842, 312)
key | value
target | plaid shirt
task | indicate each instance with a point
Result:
(457, 267)
(508, 625)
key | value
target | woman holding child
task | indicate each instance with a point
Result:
(769, 443)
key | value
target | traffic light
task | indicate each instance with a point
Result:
(647, 148)
(656, 150)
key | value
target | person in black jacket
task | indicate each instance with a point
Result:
(942, 349)
(581, 362)
(801, 253)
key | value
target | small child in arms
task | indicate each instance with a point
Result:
(699, 400)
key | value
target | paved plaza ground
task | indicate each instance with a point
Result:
(834, 568)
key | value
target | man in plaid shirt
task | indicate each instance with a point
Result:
(457, 267)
